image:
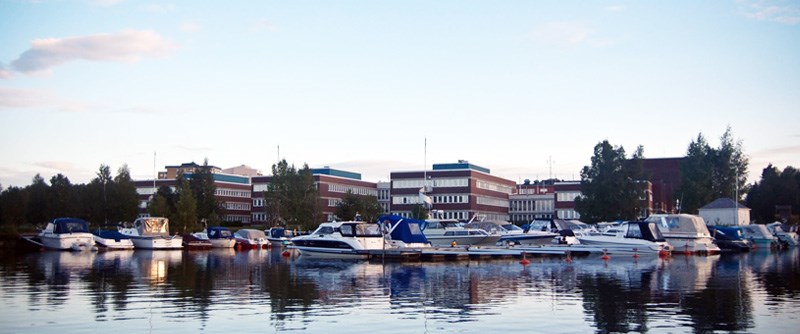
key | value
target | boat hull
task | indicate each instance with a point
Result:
(157, 243)
(112, 244)
(690, 244)
(70, 241)
(330, 253)
(622, 245)
(467, 240)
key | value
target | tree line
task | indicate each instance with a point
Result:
(612, 187)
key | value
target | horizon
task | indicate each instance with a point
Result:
(524, 88)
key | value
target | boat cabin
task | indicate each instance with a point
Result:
(67, 225)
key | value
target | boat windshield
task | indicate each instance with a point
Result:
(323, 230)
(539, 225)
(220, 234)
(71, 226)
(360, 230)
(511, 227)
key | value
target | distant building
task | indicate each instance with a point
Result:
(333, 185)
(725, 212)
(458, 190)
(233, 191)
(384, 196)
(665, 176)
(532, 201)
(243, 170)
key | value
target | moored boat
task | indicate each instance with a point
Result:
(349, 239)
(760, 236)
(787, 239)
(152, 233)
(685, 233)
(446, 232)
(248, 238)
(629, 237)
(67, 234)
(511, 234)
(217, 237)
(109, 239)
(729, 238)
(279, 236)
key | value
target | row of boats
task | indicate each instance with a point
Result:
(658, 234)
(149, 233)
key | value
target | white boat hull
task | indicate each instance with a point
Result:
(70, 241)
(330, 253)
(222, 243)
(684, 244)
(466, 240)
(157, 243)
(113, 244)
(622, 245)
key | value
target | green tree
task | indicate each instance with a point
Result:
(185, 216)
(13, 205)
(351, 205)
(609, 186)
(61, 198)
(419, 212)
(774, 189)
(159, 206)
(709, 173)
(204, 190)
(96, 196)
(292, 197)
(123, 199)
(37, 201)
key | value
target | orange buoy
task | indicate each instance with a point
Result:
(686, 250)
(605, 256)
(286, 253)
(663, 253)
(635, 253)
(524, 261)
(569, 257)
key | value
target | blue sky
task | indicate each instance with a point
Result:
(359, 85)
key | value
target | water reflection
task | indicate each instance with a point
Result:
(729, 292)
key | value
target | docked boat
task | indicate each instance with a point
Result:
(152, 233)
(348, 239)
(628, 237)
(67, 234)
(279, 236)
(248, 238)
(446, 232)
(403, 233)
(217, 237)
(760, 236)
(512, 234)
(787, 239)
(686, 233)
(729, 238)
(112, 239)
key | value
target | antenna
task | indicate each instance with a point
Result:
(550, 163)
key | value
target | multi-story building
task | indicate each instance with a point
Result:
(233, 191)
(384, 196)
(565, 193)
(333, 185)
(457, 190)
(665, 176)
(532, 201)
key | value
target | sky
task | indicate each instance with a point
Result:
(525, 88)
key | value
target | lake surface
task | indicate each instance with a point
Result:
(225, 291)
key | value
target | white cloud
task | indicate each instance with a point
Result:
(57, 165)
(191, 27)
(14, 98)
(786, 12)
(5, 74)
(616, 8)
(105, 3)
(564, 33)
(127, 46)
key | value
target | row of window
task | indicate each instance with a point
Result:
(340, 188)
(567, 196)
(259, 217)
(568, 214)
(532, 205)
(232, 193)
(333, 202)
(258, 202)
(449, 199)
(237, 206)
(436, 183)
(260, 187)
(529, 217)
(494, 187)
(491, 201)
(409, 199)
(236, 218)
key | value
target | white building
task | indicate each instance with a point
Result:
(725, 212)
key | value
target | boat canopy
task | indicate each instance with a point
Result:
(360, 230)
(152, 226)
(407, 230)
(219, 232)
(70, 225)
(644, 230)
(726, 232)
(251, 233)
(494, 226)
(280, 232)
(679, 223)
(757, 231)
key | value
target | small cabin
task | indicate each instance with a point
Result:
(725, 212)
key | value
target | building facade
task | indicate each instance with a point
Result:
(458, 190)
(332, 184)
(233, 191)
(532, 201)
(664, 175)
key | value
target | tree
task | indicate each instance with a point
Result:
(709, 173)
(774, 189)
(204, 190)
(37, 201)
(159, 206)
(419, 212)
(123, 199)
(609, 186)
(96, 196)
(185, 216)
(13, 205)
(292, 197)
(365, 206)
(61, 197)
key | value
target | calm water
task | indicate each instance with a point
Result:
(223, 291)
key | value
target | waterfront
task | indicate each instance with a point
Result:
(260, 291)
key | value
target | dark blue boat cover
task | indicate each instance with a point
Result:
(219, 232)
(110, 234)
(70, 225)
(407, 230)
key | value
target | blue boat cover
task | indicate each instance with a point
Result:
(70, 225)
(407, 230)
(110, 234)
(219, 232)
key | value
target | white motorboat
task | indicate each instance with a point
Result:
(685, 233)
(789, 239)
(349, 239)
(512, 234)
(112, 239)
(152, 233)
(279, 236)
(446, 232)
(248, 238)
(67, 234)
(760, 236)
(218, 236)
(628, 237)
